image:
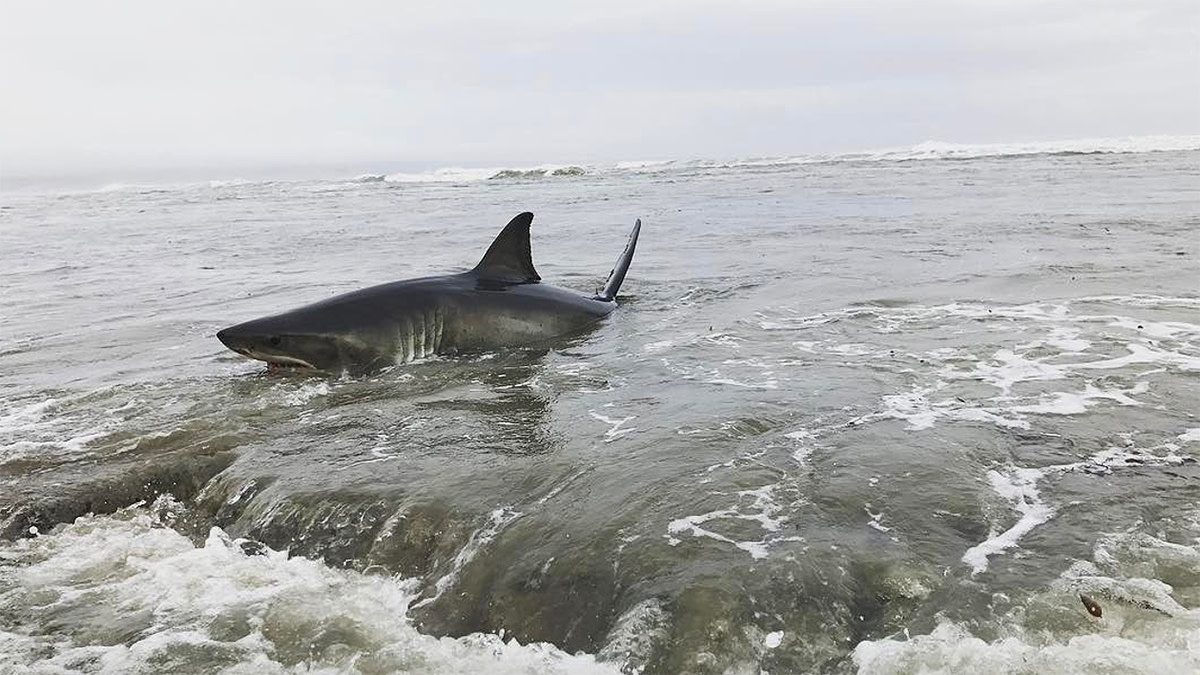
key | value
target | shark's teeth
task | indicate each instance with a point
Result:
(279, 361)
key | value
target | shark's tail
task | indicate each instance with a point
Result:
(617, 275)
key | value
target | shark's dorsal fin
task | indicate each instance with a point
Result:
(509, 257)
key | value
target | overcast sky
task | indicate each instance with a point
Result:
(202, 83)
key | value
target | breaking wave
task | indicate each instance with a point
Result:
(926, 151)
(929, 150)
(128, 593)
(461, 174)
(937, 150)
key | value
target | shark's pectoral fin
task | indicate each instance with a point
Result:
(617, 275)
(509, 258)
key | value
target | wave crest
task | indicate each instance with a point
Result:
(926, 151)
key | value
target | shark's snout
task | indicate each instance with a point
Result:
(261, 340)
(248, 341)
(234, 339)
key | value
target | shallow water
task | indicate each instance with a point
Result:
(858, 415)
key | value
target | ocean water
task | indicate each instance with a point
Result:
(873, 413)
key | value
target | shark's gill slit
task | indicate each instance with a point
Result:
(429, 328)
(402, 341)
(419, 338)
(410, 348)
(439, 317)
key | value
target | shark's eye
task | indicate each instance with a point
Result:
(274, 340)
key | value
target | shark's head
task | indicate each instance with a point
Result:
(282, 347)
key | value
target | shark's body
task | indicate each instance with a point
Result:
(501, 303)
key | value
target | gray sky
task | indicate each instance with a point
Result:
(187, 83)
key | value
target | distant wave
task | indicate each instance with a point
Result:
(130, 187)
(937, 150)
(1087, 146)
(232, 183)
(927, 151)
(541, 172)
(146, 188)
(461, 174)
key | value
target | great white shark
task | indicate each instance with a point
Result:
(500, 303)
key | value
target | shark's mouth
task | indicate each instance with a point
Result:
(286, 367)
(277, 363)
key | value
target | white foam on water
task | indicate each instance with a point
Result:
(1067, 340)
(574, 369)
(1018, 486)
(1105, 461)
(1140, 354)
(1074, 403)
(634, 636)
(1052, 347)
(18, 417)
(53, 426)
(792, 323)
(1146, 627)
(293, 393)
(723, 339)
(126, 594)
(804, 449)
(615, 430)
(1190, 436)
(764, 370)
(952, 650)
(1006, 369)
(1163, 330)
(661, 345)
(762, 509)
(916, 408)
(1145, 300)
(765, 384)
(773, 639)
(852, 349)
(876, 519)
(809, 346)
